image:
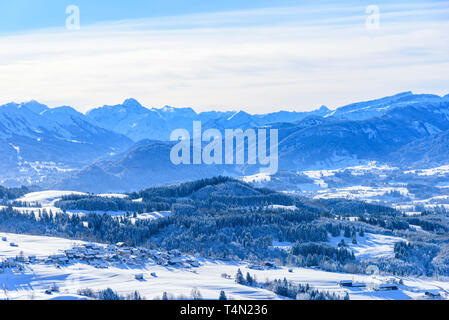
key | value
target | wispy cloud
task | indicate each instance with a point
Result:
(258, 60)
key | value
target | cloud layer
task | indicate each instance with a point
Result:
(258, 60)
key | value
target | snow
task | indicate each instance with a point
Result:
(47, 198)
(38, 277)
(372, 166)
(15, 148)
(371, 246)
(33, 245)
(233, 115)
(260, 177)
(442, 170)
(152, 215)
(359, 192)
(281, 207)
(72, 278)
(355, 170)
(113, 195)
(168, 109)
(282, 245)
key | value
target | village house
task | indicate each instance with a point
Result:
(98, 256)
(350, 283)
(195, 264)
(387, 286)
(139, 276)
(432, 293)
(58, 258)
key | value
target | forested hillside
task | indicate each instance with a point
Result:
(229, 219)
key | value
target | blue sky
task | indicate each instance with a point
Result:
(20, 15)
(259, 56)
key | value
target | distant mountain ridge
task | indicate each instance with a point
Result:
(430, 151)
(138, 122)
(311, 143)
(36, 138)
(378, 107)
(112, 143)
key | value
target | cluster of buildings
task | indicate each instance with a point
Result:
(100, 256)
(390, 285)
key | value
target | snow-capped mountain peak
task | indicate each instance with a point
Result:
(132, 103)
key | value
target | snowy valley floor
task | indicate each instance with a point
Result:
(36, 278)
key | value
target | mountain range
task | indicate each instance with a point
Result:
(125, 147)
(138, 122)
(36, 140)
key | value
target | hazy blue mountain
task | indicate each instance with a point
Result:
(138, 122)
(35, 106)
(243, 120)
(343, 142)
(427, 152)
(145, 164)
(311, 143)
(379, 107)
(130, 119)
(31, 134)
(406, 128)
(292, 116)
(239, 119)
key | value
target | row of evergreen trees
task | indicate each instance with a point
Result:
(12, 193)
(287, 288)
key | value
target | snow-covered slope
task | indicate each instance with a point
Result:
(36, 141)
(37, 277)
(371, 246)
(379, 107)
(47, 198)
(138, 122)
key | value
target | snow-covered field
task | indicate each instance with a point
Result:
(33, 245)
(152, 215)
(317, 175)
(32, 282)
(431, 172)
(260, 177)
(371, 246)
(359, 192)
(47, 199)
(281, 207)
(371, 182)
(37, 277)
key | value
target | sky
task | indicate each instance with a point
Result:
(258, 56)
